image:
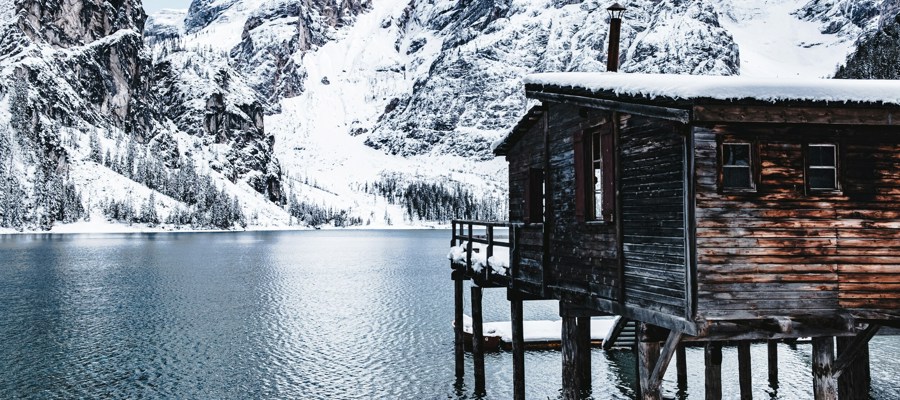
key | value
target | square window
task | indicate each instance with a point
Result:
(821, 161)
(737, 172)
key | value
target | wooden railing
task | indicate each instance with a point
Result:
(464, 232)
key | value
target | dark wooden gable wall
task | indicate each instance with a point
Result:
(583, 256)
(653, 212)
(526, 155)
(783, 251)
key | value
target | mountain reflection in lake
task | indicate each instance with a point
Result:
(309, 315)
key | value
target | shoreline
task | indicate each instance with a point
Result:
(82, 228)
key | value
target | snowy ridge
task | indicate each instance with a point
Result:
(354, 112)
(726, 87)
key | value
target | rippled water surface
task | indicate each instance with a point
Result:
(308, 315)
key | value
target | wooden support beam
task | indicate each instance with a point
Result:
(518, 345)
(824, 381)
(681, 366)
(713, 358)
(668, 351)
(583, 367)
(794, 114)
(773, 363)
(852, 365)
(648, 358)
(672, 114)
(459, 339)
(569, 358)
(744, 371)
(854, 349)
(855, 380)
(478, 340)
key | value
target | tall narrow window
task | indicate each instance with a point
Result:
(737, 170)
(821, 167)
(595, 175)
(534, 196)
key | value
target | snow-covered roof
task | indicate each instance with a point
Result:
(688, 87)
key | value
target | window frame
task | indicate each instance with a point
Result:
(753, 165)
(807, 167)
(535, 207)
(586, 183)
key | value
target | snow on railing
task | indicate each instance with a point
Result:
(479, 252)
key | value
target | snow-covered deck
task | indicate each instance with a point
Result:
(542, 331)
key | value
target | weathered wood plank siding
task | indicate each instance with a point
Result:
(526, 153)
(653, 195)
(584, 255)
(780, 251)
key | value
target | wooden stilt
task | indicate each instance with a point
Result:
(681, 366)
(478, 339)
(569, 336)
(773, 364)
(744, 371)
(584, 354)
(852, 365)
(459, 344)
(824, 382)
(713, 358)
(518, 346)
(648, 356)
(856, 380)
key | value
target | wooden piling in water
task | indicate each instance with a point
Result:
(459, 344)
(518, 345)
(856, 380)
(569, 349)
(648, 356)
(824, 382)
(713, 358)
(478, 339)
(583, 356)
(681, 367)
(744, 371)
(773, 363)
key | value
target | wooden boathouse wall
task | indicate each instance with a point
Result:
(653, 176)
(782, 251)
(526, 175)
(687, 259)
(583, 256)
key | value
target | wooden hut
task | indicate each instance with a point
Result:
(707, 209)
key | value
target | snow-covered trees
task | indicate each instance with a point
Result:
(430, 201)
(876, 57)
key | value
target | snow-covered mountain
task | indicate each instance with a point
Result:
(272, 113)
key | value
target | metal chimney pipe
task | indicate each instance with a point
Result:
(615, 29)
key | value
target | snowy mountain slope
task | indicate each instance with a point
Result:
(270, 113)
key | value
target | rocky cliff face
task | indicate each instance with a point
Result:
(76, 23)
(277, 34)
(474, 83)
(849, 18)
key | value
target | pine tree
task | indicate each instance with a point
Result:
(96, 154)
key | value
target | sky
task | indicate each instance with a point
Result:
(152, 6)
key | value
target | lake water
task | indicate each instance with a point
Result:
(307, 315)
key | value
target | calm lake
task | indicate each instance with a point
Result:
(306, 315)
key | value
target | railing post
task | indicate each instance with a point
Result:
(453, 238)
(514, 255)
(490, 252)
(469, 248)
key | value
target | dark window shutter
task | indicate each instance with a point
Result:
(534, 196)
(583, 175)
(609, 175)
